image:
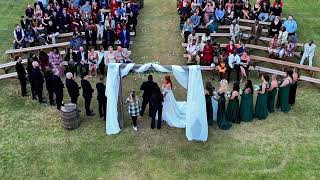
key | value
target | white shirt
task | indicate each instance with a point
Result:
(233, 59)
(192, 49)
(309, 50)
(234, 29)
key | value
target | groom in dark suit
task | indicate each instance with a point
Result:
(147, 87)
(156, 101)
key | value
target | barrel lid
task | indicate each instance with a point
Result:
(68, 107)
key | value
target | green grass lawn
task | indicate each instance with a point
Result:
(33, 144)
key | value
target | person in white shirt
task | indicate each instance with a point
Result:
(100, 29)
(309, 49)
(193, 52)
(234, 30)
(234, 61)
(192, 37)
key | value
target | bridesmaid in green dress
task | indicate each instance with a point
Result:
(273, 89)
(283, 95)
(221, 117)
(246, 105)
(232, 113)
(261, 110)
(208, 94)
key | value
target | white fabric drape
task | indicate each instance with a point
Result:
(181, 75)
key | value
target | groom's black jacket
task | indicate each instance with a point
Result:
(147, 88)
(156, 101)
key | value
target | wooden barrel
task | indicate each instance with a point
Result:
(70, 116)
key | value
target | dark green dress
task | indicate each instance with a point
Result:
(221, 117)
(283, 98)
(232, 113)
(246, 107)
(261, 109)
(272, 99)
(209, 110)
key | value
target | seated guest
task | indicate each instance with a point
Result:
(230, 48)
(261, 109)
(195, 20)
(71, 58)
(256, 9)
(232, 113)
(122, 55)
(187, 29)
(234, 64)
(234, 30)
(192, 37)
(77, 41)
(193, 50)
(256, 31)
(65, 22)
(72, 87)
(244, 65)
(103, 3)
(76, 22)
(246, 105)
(101, 57)
(30, 37)
(246, 10)
(291, 47)
(29, 11)
(93, 60)
(132, 22)
(309, 49)
(240, 48)
(275, 11)
(86, 7)
(125, 38)
(55, 61)
(110, 22)
(19, 35)
(110, 56)
(284, 91)
(108, 37)
(113, 5)
(207, 56)
(83, 61)
(279, 54)
(41, 34)
(206, 37)
(101, 17)
(264, 12)
(222, 69)
(52, 32)
(291, 26)
(277, 2)
(212, 25)
(100, 29)
(275, 26)
(283, 35)
(229, 6)
(274, 46)
(91, 36)
(219, 13)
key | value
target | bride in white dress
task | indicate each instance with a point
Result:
(173, 112)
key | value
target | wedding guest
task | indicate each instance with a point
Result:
(291, 26)
(71, 58)
(232, 113)
(72, 87)
(208, 96)
(234, 30)
(244, 65)
(246, 105)
(193, 52)
(264, 12)
(309, 49)
(275, 11)
(87, 91)
(234, 64)
(221, 115)
(272, 93)
(91, 36)
(133, 108)
(57, 87)
(283, 35)
(125, 38)
(204, 38)
(207, 56)
(19, 35)
(291, 47)
(122, 55)
(246, 10)
(100, 29)
(275, 26)
(222, 69)
(21, 75)
(261, 109)
(110, 56)
(274, 46)
(230, 48)
(82, 61)
(101, 97)
(108, 37)
(55, 61)
(195, 20)
(43, 60)
(284, 90)
(192, 37)
(212, 25)
(256, 31)
(293, 87)
(101, 58)
(219, 13)
(92, 60)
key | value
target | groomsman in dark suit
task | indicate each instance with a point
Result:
(87, 93)
(147, 88)
(156, 101)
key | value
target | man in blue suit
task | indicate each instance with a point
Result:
(125, 38)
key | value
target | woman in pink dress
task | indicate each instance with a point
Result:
(208, 12)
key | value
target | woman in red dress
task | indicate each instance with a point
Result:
(230, 48)
(94, 11)
(113, 6)
(118, 30)
(207, 57)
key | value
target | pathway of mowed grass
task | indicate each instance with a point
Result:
(33, 145)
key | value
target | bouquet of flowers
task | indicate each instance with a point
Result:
(240, 92)
(256, 87)
(228, 93)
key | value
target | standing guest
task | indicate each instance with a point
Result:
(87, 93)
(32, 57)
(234, 64)
(275, 26)
(101, 97)
(101, 61)
(272, 92)
(21, 75)
(19, 35)
(133, 108)
(234, 30)
(49, 84)
(246, 105)
(221, 115)
(72, 87)
(232, 113)
(309, 49)
(71, 58)
(256, 31)
(125, 37)
(284, 90)
(207, 56)
(55, 61)
(193, 52)
(261, 110)
(274, 46)
(208, 95)
(108, 37)
(293, 87)
(147, 88)
(291, 26)
(37, 80)
(156, 106)
(57, 87)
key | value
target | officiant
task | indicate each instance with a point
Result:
(147, 87)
